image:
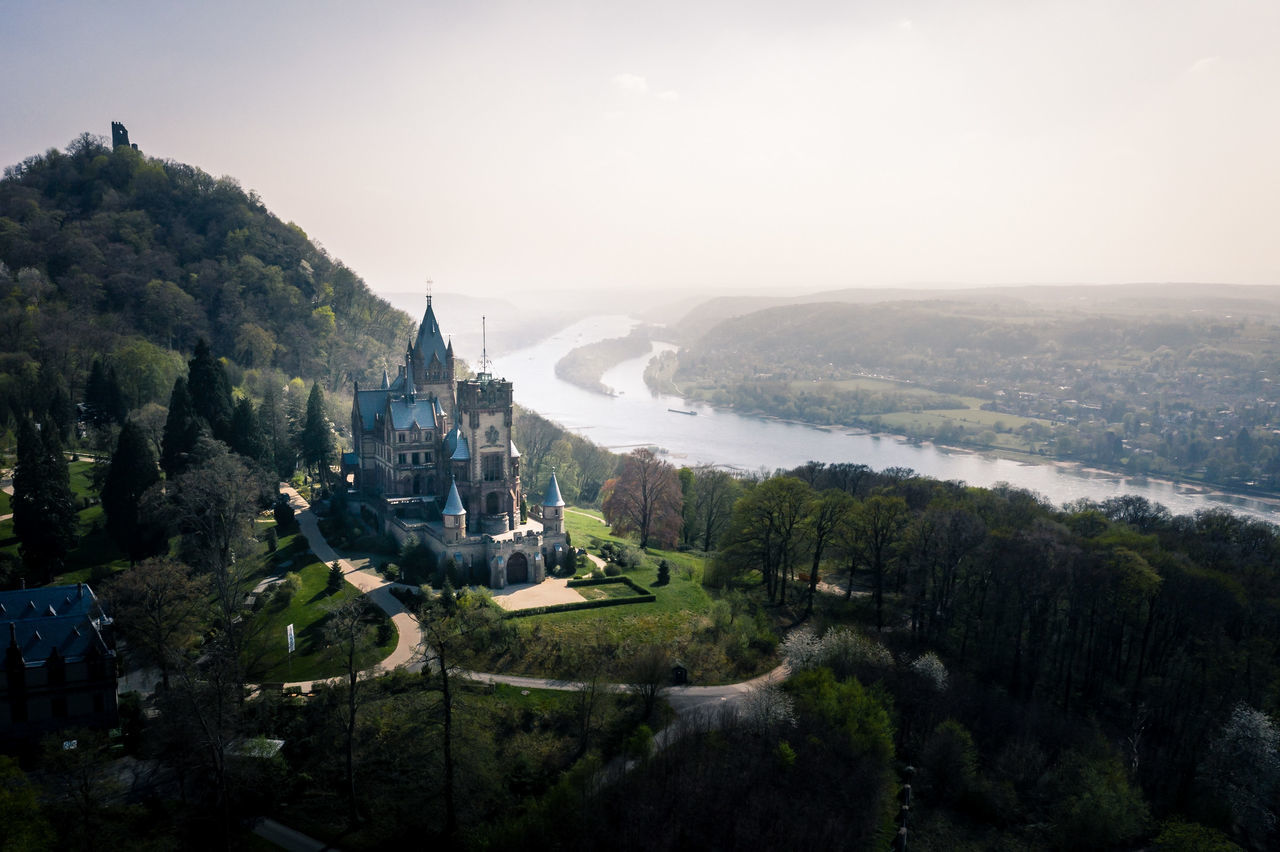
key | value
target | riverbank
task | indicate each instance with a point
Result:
(1193, 486)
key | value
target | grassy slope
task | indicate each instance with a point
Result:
(307, 612)
(677, 620)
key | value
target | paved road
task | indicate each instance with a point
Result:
(378, 589)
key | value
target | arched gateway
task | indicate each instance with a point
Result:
(517, 568)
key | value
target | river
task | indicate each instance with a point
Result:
(636, 417)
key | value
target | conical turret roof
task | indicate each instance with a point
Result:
(553, 497)
(453, 506)
(430, 341)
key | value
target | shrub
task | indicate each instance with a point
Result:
(597, 574)
(640, 743)
(282, 594)
(612, 570)
(284, 515)
(273, 540)
(664, 572)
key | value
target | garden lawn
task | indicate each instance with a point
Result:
(678, 620)
(307, 612)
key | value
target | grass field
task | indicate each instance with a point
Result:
(679, 620)
(307, 612)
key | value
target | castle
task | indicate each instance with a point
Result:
(435, 459)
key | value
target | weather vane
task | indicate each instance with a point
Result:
(429, 282)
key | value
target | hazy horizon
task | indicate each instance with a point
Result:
(698, 149)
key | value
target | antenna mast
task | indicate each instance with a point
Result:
(429, 283)
(484, 347)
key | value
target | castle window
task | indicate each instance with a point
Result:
(401, 459)
(400, 438)
(491, 467)
(415, 458)
(426, 457)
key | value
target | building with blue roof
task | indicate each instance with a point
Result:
(429, 444)
(59, 662)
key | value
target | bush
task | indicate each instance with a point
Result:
(284, 515)
(612, 570)
(597, 574)
(273, 540)
(664, 573)
(282, 593)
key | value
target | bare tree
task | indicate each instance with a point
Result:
(645, 499)
(647, 672)
(349, 632)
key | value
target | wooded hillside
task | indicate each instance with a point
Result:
(116, 255)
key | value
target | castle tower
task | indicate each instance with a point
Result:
(119, 135)
(455, 517)
(553, 508)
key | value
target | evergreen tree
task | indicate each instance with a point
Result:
(275, 433)
(60, 414)
(133, 470)
(44, 512)
(103, 400)
(210, 390)
(316, 439)
(181, 431)
(246, 438)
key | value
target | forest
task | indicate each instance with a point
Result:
(114, 256)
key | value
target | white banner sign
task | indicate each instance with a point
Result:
(289, 632)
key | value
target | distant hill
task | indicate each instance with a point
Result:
(108, 251)
(1112, 299)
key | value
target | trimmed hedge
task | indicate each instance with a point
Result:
(642, 595)
(604, 581)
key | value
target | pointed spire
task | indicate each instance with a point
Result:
(453, 505)
(553, 497)
(386, 381)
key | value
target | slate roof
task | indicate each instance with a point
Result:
(421, 411)
(453, 506)
(553, 497)
(371, 403)
(63, 617)
(430, 341)
(462, 452)
(515, 454)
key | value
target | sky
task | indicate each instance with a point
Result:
(506, 148)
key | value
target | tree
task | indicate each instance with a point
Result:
(714, 493)
(826, 515)
(182, 430)
(764, 533)
(645, 499)
(103, 401)
(25, 827)
(210, 390)
(1243, 770)
(245, 435)
(647, 672)
(44, 513)
(350, 635)
(876, 525)
(215, 504)
(133, 470)
(449, 625)
(159, 606)
(316, 440)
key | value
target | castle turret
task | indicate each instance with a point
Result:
(553, 508)
(455, 516)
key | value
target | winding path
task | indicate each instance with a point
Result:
(686, 701)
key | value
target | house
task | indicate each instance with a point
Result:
(59, 662)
